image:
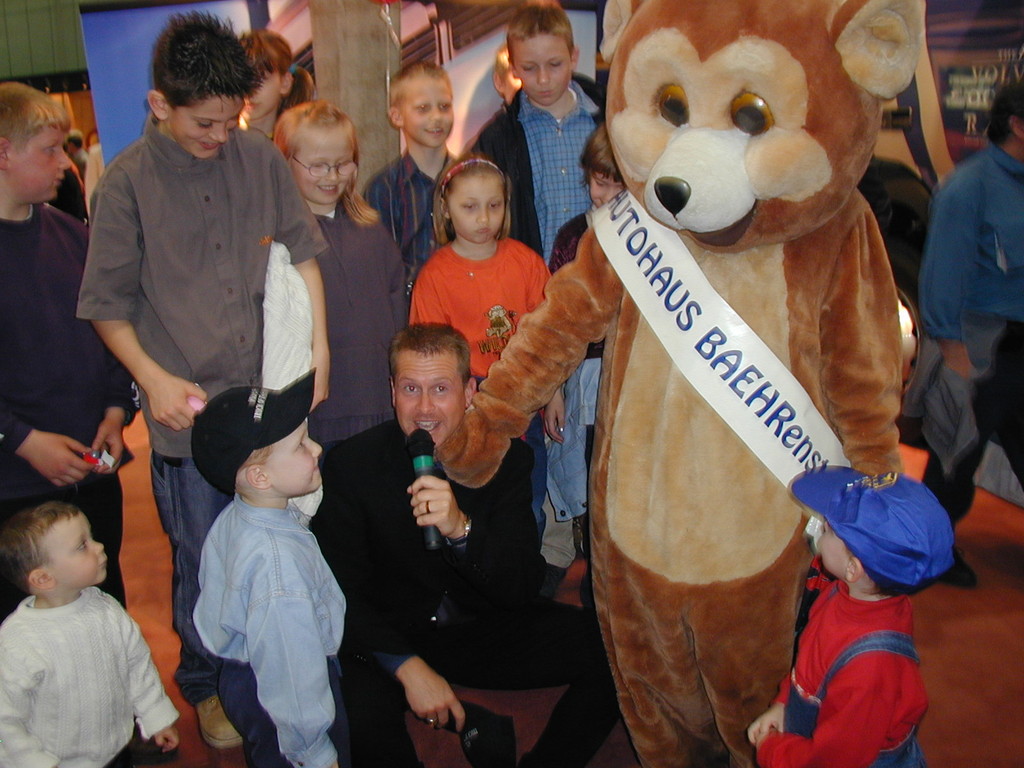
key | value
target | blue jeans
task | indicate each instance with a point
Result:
(188, 505)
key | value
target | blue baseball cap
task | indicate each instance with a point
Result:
(893, 524)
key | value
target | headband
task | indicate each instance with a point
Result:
(460, 166)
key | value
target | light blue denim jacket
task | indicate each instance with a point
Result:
(269, 599)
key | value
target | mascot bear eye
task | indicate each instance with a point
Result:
(751, 114)
(673, 106)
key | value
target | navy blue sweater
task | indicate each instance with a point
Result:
(55, 373)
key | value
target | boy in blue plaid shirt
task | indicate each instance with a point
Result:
(538, 138)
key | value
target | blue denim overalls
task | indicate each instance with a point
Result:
(801, 715)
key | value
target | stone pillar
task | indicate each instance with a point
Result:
(354, 52)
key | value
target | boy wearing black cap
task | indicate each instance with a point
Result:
(268, 605)
(855, 695)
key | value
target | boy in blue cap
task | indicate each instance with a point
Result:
(855, 695)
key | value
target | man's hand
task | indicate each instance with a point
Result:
(554, 416)
(56, 457)
(955, 357)
(769, 722)
(168, 399)
(109, 438)
(433, 503)
(429, 695)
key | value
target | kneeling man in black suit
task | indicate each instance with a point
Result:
(466, 613)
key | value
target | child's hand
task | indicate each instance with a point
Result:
(110, 437)
(168, 399)
(56, 457)
(321, 377)
(167, 739)
(554, 416)
(770, 721)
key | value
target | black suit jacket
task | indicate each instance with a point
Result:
(392, 584)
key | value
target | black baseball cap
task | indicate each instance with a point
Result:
(241, 420)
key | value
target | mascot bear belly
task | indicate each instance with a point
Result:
(741, 131)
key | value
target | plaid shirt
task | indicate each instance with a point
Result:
(404, 196)
(560, 190)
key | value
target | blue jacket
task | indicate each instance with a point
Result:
(268, 599)
(974, 255)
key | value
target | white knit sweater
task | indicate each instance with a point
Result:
(71, 680)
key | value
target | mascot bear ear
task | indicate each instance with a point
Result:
(616, 15)
(879, 42)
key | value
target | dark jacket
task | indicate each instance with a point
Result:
(392, 584)
(504, 141)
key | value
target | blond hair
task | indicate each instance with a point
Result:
(24, 112)
(21, 539)
(408, 73)
(468, 166)
(539, 17)
(323, 114)
(501, 62)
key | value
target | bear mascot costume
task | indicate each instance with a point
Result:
(750, 318)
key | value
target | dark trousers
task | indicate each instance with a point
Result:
(102, 502)
(539, 646)
(123, 760)
(998, 410)
(237, 691)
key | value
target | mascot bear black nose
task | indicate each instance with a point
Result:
(673, 193)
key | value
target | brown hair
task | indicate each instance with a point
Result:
(598, 158)
(324, 114)
(269, 52)
(21, 539)
(198, 56)
(24, 112)
(471, 165)
(400, 82)
(540, 17)
(429, 339)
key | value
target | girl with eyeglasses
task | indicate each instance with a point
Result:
(364, 279)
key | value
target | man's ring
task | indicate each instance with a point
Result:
(431, 722)
(428, 512)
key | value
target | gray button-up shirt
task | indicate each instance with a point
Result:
(179, 248)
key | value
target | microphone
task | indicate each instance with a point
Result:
(420, 446)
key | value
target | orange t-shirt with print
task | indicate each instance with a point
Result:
(484, 300)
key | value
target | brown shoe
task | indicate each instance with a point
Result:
(214, 725)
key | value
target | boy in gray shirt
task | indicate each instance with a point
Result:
(182, 225)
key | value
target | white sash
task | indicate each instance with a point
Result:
(715, 350)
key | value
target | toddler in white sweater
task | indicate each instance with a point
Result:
(74, 669)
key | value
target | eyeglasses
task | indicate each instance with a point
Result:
(319, 170)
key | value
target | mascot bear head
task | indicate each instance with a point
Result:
(751, 122)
